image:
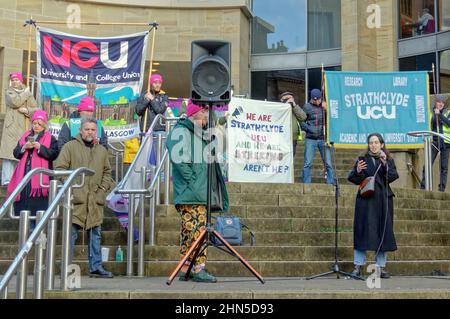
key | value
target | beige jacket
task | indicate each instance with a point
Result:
(14, 125)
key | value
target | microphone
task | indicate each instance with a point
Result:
(383, 157)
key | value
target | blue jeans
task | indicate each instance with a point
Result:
(310, 151)
(360, 258)
(94, 247)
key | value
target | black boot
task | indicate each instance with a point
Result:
(384, 274)
(357, 271)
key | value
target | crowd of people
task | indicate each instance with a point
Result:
(27, 144)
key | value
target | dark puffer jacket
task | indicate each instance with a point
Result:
(313, 125)
(157, 106)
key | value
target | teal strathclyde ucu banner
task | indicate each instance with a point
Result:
(392, 104)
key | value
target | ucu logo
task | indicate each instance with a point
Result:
(71, 53)
(377, 112)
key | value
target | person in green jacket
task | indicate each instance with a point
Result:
(187, 144)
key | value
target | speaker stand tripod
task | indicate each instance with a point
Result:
(204, 239)
(335, 268)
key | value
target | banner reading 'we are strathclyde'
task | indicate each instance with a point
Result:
(392, 104)
(259, 142)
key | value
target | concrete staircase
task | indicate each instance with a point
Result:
(294, 228)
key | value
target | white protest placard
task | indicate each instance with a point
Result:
(260, 142)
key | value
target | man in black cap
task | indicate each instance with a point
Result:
(298, 116)
(314, 128)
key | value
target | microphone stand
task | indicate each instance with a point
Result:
(335, 268)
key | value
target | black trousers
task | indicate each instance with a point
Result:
(445, 150)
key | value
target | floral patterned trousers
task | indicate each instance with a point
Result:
(193, 222)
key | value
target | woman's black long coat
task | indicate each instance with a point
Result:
(370, 213)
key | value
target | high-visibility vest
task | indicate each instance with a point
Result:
(445, 128)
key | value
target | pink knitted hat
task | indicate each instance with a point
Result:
(16, 75)
(156, 78)
(192, 108)
(86, 104)
(39, 115)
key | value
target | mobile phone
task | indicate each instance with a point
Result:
(30, 139)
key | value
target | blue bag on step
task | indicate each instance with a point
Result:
(230, 228)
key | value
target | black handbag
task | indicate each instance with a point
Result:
(367, 186)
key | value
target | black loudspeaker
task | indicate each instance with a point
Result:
(210, 72)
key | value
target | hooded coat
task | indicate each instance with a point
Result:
(88, 201)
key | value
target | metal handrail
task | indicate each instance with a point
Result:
(428, 133)
(26, 248)
(146, 191)
(143, 193)
(428, 161)
(117, 152)
(132, 167)
(133, 163)
(115, 148)
(151, 192)
(10, 200)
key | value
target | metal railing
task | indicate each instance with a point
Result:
(118, 155)
(427, 137)
(152, 193)
(38, 235)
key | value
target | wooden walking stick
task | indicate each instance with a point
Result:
(324, 123)
(30, 31)
(155, 27)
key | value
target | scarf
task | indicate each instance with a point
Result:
(375, 155)
(36, 161)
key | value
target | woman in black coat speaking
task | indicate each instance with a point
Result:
(373, 226)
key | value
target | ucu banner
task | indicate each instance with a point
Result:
(392, 104)
(112, 60)
(110, 70)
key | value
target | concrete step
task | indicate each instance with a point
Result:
(108, 237)
(296, 288)
(274, 224)
(254, 253)
(292, 195)
(287, 200)
(324, 238)
(265, 268)
(322, 189)
(314, 212)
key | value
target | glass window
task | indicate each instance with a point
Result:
(268, 85)
(279, 26)
(324, 24)
(444, 71)
(416, 18)
(444, 15)
(315, 78)
(419, 63)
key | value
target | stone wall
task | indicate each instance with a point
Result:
(364, 48)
